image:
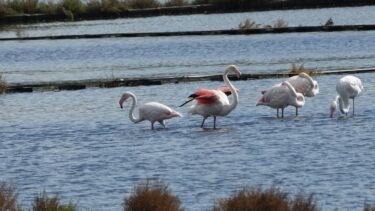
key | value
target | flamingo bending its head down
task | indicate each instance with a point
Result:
(280, 96)
(215, 102)
(152, 111)
(347, 87)
(305, 85)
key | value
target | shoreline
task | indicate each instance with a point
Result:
(182, 10)
(299, 29)
(131, 82)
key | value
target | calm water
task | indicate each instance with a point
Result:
(307, 17)
(81, 145)
(34, 61)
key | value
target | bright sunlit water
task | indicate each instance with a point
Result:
(81, 145)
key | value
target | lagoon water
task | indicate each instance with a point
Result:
(81, 145)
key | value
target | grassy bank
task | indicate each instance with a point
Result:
(156, 196)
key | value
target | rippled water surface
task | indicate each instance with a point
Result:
(81, 145)
(305, 17)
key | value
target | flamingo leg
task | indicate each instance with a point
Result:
(214, 122)
(162, 122)
(204, 119)
(296, 111)
(152, 125)
(353, 106)
(282, 113)
(277, 113)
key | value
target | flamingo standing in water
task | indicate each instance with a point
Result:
(152, 111)
(305, 85)
(215, 102)
(280, 96)
(347, 87)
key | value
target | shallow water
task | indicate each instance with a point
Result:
(35, 61)
(81, 145)
(197, 22)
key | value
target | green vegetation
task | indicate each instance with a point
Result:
(264, 200)
(45, 203)
(152, 195)
(249, 24)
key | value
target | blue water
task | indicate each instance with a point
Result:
(34, 61)
(81, 145)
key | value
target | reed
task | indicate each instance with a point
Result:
(248, 24)
(152, 195)
(45, 203)
(3, 84)
(264, 200)
(8, 197)
(369, 207)
(280, 24)
(297, 69)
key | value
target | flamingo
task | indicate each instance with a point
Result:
(215, 102)
(347, 87)
(151, 111)
(305, 85)
(280, 96)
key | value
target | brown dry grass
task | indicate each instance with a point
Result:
(280, 24)
(46, 203)
(297, 69)
(248, 24)
(152, 195)
(3, 84)
(264, 200)
(8, 197)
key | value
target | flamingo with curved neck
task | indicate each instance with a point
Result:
(347, 87)
(280, 96)
(215, 102)
(304, 84)
(152, 111)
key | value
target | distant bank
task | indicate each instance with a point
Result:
(184, 10)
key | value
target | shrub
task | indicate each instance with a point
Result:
(107, 6)
(143, 4)
(248, 24)
(8, 197)
(176, 3)
(280, 24)
(369, 207)
(45, 203)
(264, 200)
(74, 6)
(48, 7)
(152, 195)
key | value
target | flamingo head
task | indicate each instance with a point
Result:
(123, 98)
(233, 69)
(300, 100)
(314, 90)
(332, 108)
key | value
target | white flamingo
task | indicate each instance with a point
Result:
(305, 85)
(280, 96)
(347, 87)
(215, 102)
(152, 111)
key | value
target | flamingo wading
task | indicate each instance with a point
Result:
(305, 85)
(215, 102)
(347, 87)
(280, 96)
(151, 111)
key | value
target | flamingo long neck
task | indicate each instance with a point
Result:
(343, 103)
(234, 103)
(291, 88)
(131, 111)
(311, 81)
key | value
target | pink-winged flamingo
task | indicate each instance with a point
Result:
(305, 85)
(347, 87)
(215, 102)
(151, 111)
(280, 96)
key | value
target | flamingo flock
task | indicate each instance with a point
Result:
(213, 103)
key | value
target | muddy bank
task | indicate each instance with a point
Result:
(185, 10)
(126, 82)
(299, 29)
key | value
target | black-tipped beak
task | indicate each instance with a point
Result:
(190, 99)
